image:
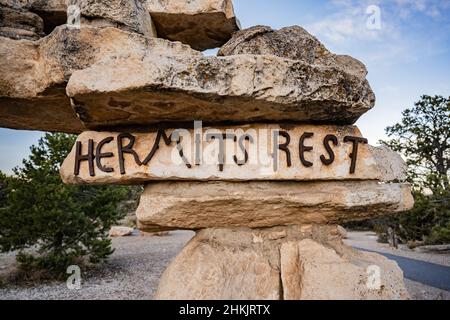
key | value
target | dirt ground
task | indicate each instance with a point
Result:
(132, 273)
(134, 270)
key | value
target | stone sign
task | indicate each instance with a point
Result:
(263, 187)
(252, 152)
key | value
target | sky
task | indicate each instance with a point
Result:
(405, 45)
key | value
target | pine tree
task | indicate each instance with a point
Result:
(50, 224)
(423, 137)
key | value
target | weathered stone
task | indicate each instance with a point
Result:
(129, 14)
(34, 74)
(119, 231)
(292, 43)
(341, 162)
(229, 265)
(197, 205)
(53, 12)
(241, 88)
(20, 24)
(391, 164)
(203, 24)
(342, 232)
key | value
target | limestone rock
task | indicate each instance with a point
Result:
(255, 163)
(198, 205)
(119, 231)
(32, 96)
(390, 163)
(242, 88)
(203, 24)
(20, 24)
(129, 14)
(34, 74)
(227, 264)
(342, 232)
(52, 12)
(292, 43)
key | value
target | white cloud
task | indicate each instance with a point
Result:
(346, 28)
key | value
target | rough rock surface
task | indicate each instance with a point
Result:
(292, 43)
(240, 88)
(129, 14)
(203, 24)
(283, 263)
(119, 231)
(167, 164)
(197, 205)
(390, 163)
(20, 24)
(34, 74)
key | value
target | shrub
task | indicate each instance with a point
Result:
(50, 224)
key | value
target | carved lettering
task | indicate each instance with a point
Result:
(354, 155)
(303, 149)
(221, 137)
(160, 135)
(326, 143)
(126, 149)
(87, 157)
(285, 147)
(99, 155)
(243, 138)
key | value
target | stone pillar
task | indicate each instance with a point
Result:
(265, 220)
(282, 263)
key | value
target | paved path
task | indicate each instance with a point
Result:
(431, 274)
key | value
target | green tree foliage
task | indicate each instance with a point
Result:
(2, 190)
(423, 137)
(53, 225)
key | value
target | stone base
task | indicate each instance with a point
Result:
(282, 263)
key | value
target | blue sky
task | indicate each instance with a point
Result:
(407, 57)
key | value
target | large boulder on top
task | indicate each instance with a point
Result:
(292, 43)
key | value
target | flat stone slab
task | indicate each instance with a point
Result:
(198, 205)
(35, 73)
(243, 153)
(284, 263)
(241, 88)
(202, 24)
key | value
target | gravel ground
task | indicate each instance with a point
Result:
(132, 273)
(134, 270)
(419, 291)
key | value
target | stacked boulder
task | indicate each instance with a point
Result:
(264, 180)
